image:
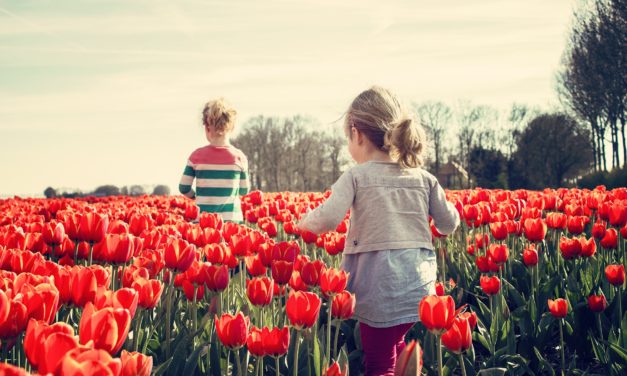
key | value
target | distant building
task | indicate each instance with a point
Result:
(453, 176)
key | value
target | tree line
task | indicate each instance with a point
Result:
(109, 190)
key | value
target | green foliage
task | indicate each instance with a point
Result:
(613, 179)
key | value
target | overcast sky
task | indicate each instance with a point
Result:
(110, 92)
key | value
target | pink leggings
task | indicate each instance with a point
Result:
(381, 347)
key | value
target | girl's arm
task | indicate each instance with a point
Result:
(445, 216)
(330, 213)
(185, 186)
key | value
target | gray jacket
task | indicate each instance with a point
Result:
(390, 208)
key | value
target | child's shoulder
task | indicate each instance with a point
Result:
(384, 171)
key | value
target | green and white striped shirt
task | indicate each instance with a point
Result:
(221, 174)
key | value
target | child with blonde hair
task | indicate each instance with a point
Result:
(220, 169)
(389, 252)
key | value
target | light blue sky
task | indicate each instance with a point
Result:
(97, 92)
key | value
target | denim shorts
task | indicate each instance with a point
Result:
(389, 284)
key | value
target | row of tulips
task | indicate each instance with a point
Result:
(161, 284)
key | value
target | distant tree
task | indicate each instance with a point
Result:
(551, 149)
(488, 167)
(161, 190)
(136, 190)
(434, 116)
(50, 192)
(124, 191)
(107, 190)
(592, 81)
(290, 154)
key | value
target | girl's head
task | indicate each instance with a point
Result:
(381, 117)
(218, 117)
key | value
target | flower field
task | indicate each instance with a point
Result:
(531, 283)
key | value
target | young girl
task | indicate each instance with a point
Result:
(220, 169)
(389, 253)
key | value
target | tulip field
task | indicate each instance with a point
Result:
(531, 283)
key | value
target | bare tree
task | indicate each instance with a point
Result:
(434, 116)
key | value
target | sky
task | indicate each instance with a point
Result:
(99, 92)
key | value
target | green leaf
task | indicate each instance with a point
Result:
(214, 358)
(162, 368)
(192, 360)
(544, 364)
(514, 294)
(619, 351)
(316, 355)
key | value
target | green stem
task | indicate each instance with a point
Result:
(337, 334)
(439, 350)
(296, 347)
(461, 364)
(599, 326)
(239, 362)
(562, 347)
(91, 251)
(619, 296)
(76, 253)
(329, 332)
(168, 315)
(138, 324)
(276, 366)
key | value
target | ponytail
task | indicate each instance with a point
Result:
(405, 141)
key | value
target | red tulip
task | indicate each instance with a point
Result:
(179, 255)
(254, 342)
(107, 327)
(125, 298)
(556, 220)
(485, 264)
(570, 248)
(16, 321)
(115, 248)
(282, 271)
(45, 345)
(275, 341)
(333, 281)
(334, 370)
(149, 291)
(84, 286)
(210, 220)
(135, 364)
(254, 266)
(610, 240)
(437, 313)
(296, 282)
(618, 214)
(5, 306)
(260, 291)
(615, 274)
(597, 303)
(498, 230)
(53, 233)
(534, 229)
(232, 330)
(530, 256)
(471, 317)
(343, 305)
(7, 369)
(41, 301)
(409, 362)
(558, 308)
(92, 227)
(439, 289)
(598, 229)
(576, 224)
(311, 271)
(498, 253)
(588, 247)
(302, 309)
(84, 361)
(490, 285)
(459, 337)
(308, 236)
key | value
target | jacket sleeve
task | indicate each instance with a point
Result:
(445, 216)
(330, 213)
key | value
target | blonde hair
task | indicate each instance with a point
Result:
(219, 114)
(383, 119)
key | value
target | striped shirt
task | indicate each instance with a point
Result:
(221, 174)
